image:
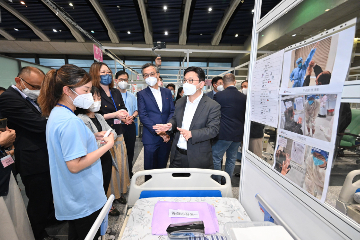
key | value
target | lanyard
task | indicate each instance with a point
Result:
(113, 100)
(64, 107)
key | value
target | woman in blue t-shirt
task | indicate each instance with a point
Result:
(74, 157)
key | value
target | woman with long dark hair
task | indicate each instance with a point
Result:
(74, 157)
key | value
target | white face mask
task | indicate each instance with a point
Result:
(189, 89)
(83, 101)
(32, 94)
(244, 91)
(151, 81)
(123, 85)
(220, 88)
(95, 107)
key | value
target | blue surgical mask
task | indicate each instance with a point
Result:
(105, 79)
(311, 102)
(317, 161)
(300, 65)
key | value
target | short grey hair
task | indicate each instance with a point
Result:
(146, 65)
(228, 78)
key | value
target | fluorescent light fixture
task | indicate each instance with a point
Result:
(128, 32)
(70, 4)
(165, 8)
(294, 35)
(236, 35)
(166, 33)
(210, 9)
(92, 31)
(22, 2)
(201, 34)
(16, 29)
(327, 10)
(54, 30)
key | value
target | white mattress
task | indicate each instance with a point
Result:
(139, 222)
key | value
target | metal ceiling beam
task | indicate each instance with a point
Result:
(147, 23)
(224, 21)
(6, 35)
(76, 33)
(184, 24)
(21, 17)
(111, 30)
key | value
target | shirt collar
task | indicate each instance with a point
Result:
(22, 94)
(214, 92)
(153, 89)
(197, 100)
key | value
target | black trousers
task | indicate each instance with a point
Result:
(180, 160)
(129, 133)
(79, 228)
(106, 164)
(40, 206)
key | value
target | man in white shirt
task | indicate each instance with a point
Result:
(195, 122)
(155, 106)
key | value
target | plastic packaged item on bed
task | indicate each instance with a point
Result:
(234, 231)
(186, 230)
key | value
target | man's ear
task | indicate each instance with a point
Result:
(17, 80)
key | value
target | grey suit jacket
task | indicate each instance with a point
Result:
(205, 125)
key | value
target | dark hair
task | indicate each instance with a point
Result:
(243, 82)
(52, 86)
(171, 85)
(229, 78)
(161, 78)
(215, 80)
(178, 96)
(95, 74)
(146, 65)
(119, 73)
(2, 89)
(94, 91)
(324, 78)
(289, 113)
(200, 73)
(27, 70)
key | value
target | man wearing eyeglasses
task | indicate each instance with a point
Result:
(155, 106)
(195, 122)
(18, 104)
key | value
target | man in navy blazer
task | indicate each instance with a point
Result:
(216, 82)
(233, 106)
(155, 106)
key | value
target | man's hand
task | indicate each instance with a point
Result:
(7, 138)
(129, 120)
(315, 46)
(186, 133)
(165, 137)
(160, 128)
(299, 120)
(158, 61)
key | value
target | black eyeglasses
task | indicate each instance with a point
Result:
(189, 80)
(149, 75)
(35, 87)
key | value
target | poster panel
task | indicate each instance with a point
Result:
(318, 67)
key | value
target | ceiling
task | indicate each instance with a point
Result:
(126, 18)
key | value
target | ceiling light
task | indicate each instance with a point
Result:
(327, 10)
(210, 9)
(165, 8)
(252, 11)
(166, 32)
(92, 31)
(54, 30)
(22, 2)
(70, 4)
(236, 35)
(16, 29)
(294, 35)
(201, 34)
(128, 32)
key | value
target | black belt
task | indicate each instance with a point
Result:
(182, 151)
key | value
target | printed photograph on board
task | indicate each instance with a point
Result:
(292, 114)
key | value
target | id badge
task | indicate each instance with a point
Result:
(6, 161)
(117, 121)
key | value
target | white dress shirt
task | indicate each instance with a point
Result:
(157, 96)
(189, 112)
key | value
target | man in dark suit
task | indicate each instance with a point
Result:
(18, 104)
(218, 85)
(195, 122)
(155, 106)
(233, 106)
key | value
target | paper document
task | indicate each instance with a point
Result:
(183, 214)
(261, 233)
(297, 152)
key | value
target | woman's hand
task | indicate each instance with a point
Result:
(100, 135)
(109, 140)
(122, 114)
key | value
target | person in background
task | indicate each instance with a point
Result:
(129, 128)
(76, 174)
(290, 124)
(180, 93)
(195, 122)
(114, 111)
(160, 82)
(155, 106)
(7, 139)
(322, 77)
(158, 61)
(19, 105)
(2, 90)
(171, 87)
(256, 138)
(233, 106)
(96, 123)
(218, 85)
(244, 87)
(312, 109)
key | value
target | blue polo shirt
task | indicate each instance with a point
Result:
(76, 195)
